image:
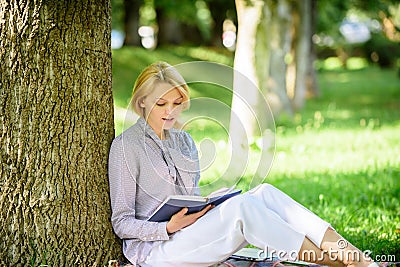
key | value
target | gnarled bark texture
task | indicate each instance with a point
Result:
(56, 119)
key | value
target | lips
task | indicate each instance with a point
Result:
(168, 119)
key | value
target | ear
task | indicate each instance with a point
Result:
(141, 104)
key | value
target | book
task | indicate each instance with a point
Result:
(259, 255)
(175, 203)
(251, 254)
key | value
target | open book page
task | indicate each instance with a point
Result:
(217, 199)
(221, 192)
(187, 197)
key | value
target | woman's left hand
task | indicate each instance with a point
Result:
(181, 220)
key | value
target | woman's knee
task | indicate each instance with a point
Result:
(263, 188)
(240, 202)
(253, 200)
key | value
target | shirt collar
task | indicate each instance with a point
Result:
(148, 131)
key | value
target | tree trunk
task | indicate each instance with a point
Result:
(263, 41)
(245, 83)
(192, 35)
(218, 15)
(131, 22)
(56, 128)
(302, 49)
(279, 29)
(251, 118)
(312, 82)
(220, 10)
(169, 29)
(242, 124)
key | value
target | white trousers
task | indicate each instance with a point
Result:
(264, 217)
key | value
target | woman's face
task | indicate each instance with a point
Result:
(162, 107)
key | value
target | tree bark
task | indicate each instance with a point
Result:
(251, 119)
(279, 29)
(246, 82)
(242, 126)
(56, 128)
(312, 81)
(302, 50)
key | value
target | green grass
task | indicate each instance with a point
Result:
(340, 156)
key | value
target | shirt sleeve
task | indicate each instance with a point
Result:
(122, 179)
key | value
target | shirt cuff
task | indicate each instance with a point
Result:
(162, 231)
(158, 233)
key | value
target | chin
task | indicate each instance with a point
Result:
(168, 124)
(167, 127)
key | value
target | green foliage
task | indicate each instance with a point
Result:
(339, 156)
(148, 14)
(330, 15)
(382, 50)
(332, 12)
(379, 49)
(117, 14)
(191, 12)
(183, 10)
(372, 7)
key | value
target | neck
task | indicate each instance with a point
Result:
(161, 135)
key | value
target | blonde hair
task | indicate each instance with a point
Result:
(155, 73)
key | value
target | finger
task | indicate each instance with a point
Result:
(208, 207)
(203, 211)
(183, 211)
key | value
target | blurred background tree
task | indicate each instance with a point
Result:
(131, 21)
(277, 45)
(382, 19)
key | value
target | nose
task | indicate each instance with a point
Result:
(168, 109)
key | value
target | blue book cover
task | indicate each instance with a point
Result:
(175, 203)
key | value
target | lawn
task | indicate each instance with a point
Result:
(340, 156)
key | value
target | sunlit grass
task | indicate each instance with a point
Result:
(340, 156)
(334, 63)
(346, 151)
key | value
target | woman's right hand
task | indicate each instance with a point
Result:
(180, 219)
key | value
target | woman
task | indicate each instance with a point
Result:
(151, 160)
